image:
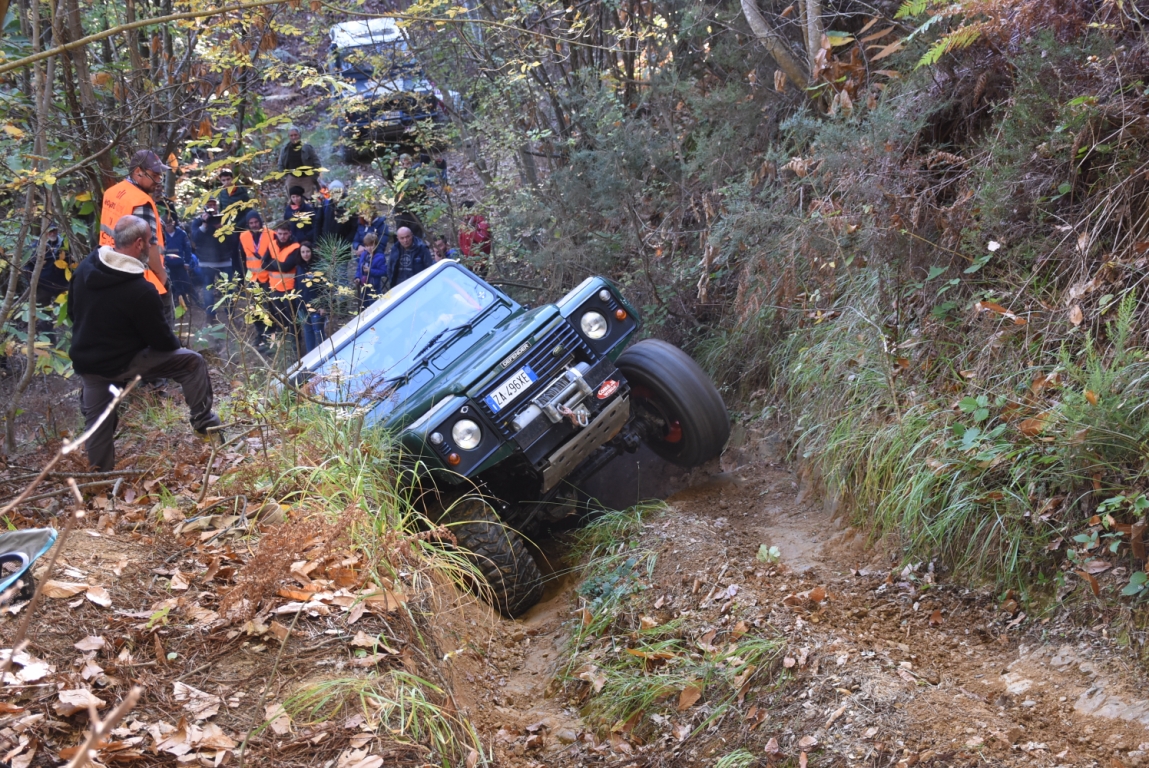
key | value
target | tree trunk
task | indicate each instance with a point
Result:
(775, 44)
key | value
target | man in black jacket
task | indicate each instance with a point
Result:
(119, 332)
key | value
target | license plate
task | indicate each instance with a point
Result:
(506, 392)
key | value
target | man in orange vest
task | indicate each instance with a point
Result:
(133, 196)
(280, 264)
(254, 242)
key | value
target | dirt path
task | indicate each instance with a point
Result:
(885, 665)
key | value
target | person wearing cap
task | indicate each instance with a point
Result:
(133, 196)
(300, 162)
(234, 204)
(54, 274)
(255, 241)
(118, 333)
(280, 265)
(300, 213)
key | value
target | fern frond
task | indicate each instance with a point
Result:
(962, 37)
(912, 8)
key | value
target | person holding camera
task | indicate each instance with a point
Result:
(215, 260)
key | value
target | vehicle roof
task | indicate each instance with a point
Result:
(352, 34)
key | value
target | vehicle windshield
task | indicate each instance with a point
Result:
(376, 360)
(367, 60)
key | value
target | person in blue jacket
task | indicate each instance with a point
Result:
(371, 270)
(407, 258)
(377, 226)
(180, 261)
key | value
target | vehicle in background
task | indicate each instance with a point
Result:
(384, 96)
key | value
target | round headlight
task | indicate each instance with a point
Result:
(436, 438)
(467, 434)
(604, 295)
(593, 325)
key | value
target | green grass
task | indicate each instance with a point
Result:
(641, 671)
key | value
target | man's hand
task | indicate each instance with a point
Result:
(156, 263)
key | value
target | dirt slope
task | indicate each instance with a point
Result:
(892, 666)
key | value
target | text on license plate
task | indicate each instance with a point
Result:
(506, 392)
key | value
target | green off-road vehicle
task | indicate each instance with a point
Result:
(503, 410)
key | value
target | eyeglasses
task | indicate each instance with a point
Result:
(155, 177)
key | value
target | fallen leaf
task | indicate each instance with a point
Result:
(740, 629)
(1097, 566)
(772, 748)
(278, 719)
(179, 581)
(936, 617)
(1032, 426)
(818, 594)
(807, 742)
(1092, 582)
(77, 700)
(90, 643)
(61, 589)
(802, 760)
(689, 697)
(594, 676)
(1091, 396)
(648, 622)
(99, 596)
(1076, 315)
(199, 704)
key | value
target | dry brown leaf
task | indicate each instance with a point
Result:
(99, 596)
(648, 622)
(1092, 582)
(1091, 396)
(90, 643)
(278, 719)
(772, 748)
(936, 617)
(740, 629)
(592, 675)
(807, 742)
(1097, 566)
(818, 594)
(802, 760)
(58, 590)
(1076, 315)
(180, 581)
(77, 700)
(1033, 426)
(199, 704)
(689, 696)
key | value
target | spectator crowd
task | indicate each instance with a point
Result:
(122, 298)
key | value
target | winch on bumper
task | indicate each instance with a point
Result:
(591, 400)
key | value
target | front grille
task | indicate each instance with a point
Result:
(545, 365)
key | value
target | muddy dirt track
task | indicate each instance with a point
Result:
(885, 664)
(881, 663)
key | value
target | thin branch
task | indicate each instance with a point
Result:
(101, 728)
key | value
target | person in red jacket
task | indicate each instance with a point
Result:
(119, 332)
(475, 239)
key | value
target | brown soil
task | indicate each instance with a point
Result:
(893, 666)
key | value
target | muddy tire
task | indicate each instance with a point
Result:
(686, 419)
(499, 554)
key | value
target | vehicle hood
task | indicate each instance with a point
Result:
(481, 364)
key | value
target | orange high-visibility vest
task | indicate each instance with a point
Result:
(255, 270)
(282, 281)
(119, 201)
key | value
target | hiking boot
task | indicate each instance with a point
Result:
(211, 431)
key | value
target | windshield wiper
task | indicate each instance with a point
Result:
(435, 339)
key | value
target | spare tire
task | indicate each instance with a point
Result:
(686, 420)
(499, 553)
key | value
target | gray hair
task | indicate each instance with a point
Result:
(129, 229)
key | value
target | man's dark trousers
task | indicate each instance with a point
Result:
(183, 365)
